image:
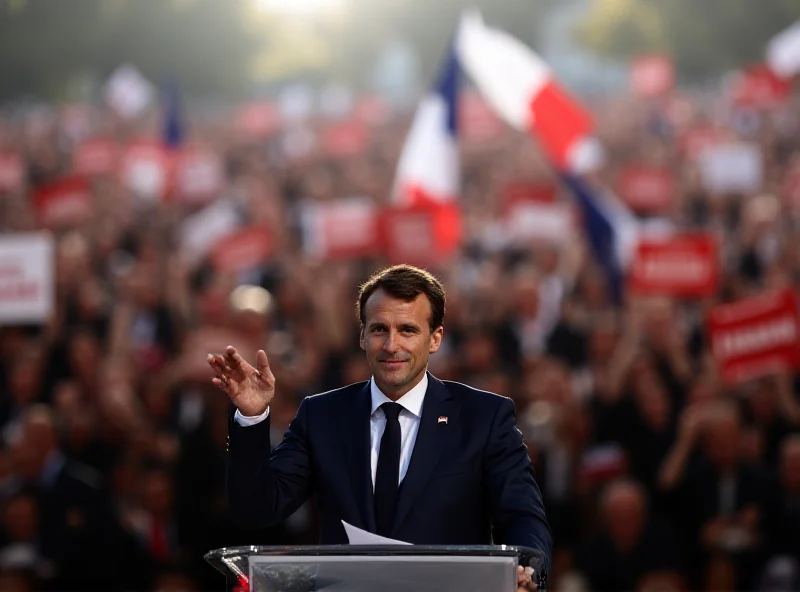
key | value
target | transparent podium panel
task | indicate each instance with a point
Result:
(389, 568)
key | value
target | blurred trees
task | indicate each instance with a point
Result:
(222, 47)
(218, 47)
(705, 37)
(45, 46)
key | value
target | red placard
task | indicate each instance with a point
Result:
(523, 191)
(345, 139)
(647, 189)
(758, 86)
(651, 76)
(12, 171)
(685, 266)
(245, 249)
(341, 229)
(756, 337)
(697, 139)
(63, 202)
(198, 175)
(145, 169)
(421, 234)
(257, 120)
(98, 156)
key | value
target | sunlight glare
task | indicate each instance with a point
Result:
(299, 7)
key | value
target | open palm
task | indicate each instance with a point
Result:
(250, 388)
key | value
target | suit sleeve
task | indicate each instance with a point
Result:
(265, 488)
(517, 509)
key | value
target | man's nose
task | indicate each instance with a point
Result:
(391, 344)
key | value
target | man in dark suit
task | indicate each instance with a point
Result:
(403, 455)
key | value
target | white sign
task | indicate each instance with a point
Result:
(26, 278)
(532, 221)
(128, 92)
(732, 168)
(204, 229)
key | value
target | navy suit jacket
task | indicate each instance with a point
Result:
(469, 482)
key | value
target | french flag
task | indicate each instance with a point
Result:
(522, 89)
(428, 169)
(427, 175)
(783, 52)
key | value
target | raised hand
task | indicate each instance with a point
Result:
(250, 389)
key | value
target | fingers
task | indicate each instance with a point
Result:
(218, 365)
(234, 359)
(524, 576)
(262, 364)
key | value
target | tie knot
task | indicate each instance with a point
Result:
(391, 410)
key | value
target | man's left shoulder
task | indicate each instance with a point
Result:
(473, 396)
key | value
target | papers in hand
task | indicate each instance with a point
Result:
(357, 536)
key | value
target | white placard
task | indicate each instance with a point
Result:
(26, 278)
(128, 92)
(732, 167)
(204, 229)
(528, 221)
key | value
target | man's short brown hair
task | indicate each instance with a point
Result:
(405, 282)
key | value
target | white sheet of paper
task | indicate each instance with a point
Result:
(357, 536)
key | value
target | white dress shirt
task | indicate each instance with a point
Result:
(409, 423)
(409, 418)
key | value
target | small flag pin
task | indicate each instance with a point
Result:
(442, 419)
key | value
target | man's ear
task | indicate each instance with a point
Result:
(361, 340)
(436, 340)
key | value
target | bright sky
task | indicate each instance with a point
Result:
(299, 7)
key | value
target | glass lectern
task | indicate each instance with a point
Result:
(376, 568)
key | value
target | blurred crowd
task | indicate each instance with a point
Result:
(655, 473)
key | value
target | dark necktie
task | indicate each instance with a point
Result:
(388, 473)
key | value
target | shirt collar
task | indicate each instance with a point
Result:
(411, 401)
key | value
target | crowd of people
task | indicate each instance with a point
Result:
(656, 473)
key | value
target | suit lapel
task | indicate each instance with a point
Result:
(432, 439)
(355, 426)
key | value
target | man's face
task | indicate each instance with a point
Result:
(398, 341)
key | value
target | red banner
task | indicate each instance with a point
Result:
(696, 140)
(345, 139)
(685, 266)
(756, 337)
(422, 234)
(757, 86)
(245, 249)
(146, 169)
(98, 156)
(12, 171)
(341, 229)
(63, 202)
(647, 189)
(522, 191)
(198, 175)
(651, 76)
(257, 120)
